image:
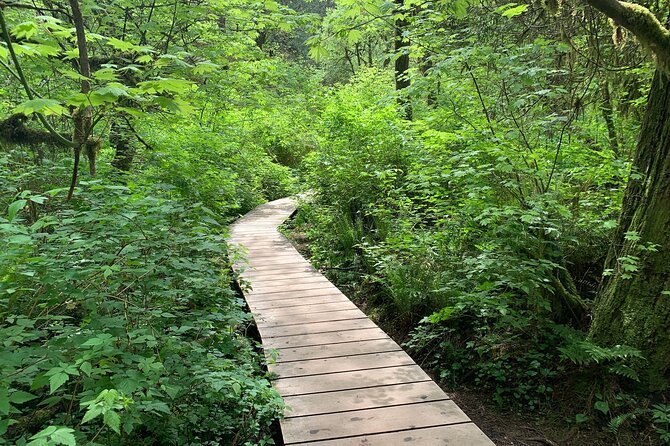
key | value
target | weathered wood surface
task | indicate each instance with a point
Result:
(345, 381)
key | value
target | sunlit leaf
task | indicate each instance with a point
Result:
(119, 44)
(166, 85)
(205, 67)
(40, 105)
(512, 10)
(146, 58)
(25, 30)
(105, 74)
(57, 380)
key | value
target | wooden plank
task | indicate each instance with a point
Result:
(336, 350)
(329, 298)
(256, 270)
(279, 287)
(282, 275)
(466, 434)
(242, 266)
(318, 327)
(269, 250)
(274, 281)
(308, 318)
(279, 259)
(282, 261)
(370, 398)
(311, 309)
(340, 364)
(371, 421)
(360, 379)
(273, 253)
(312, 339)
(246, 239)
(296, 295)
(259, 233)
(261, 256)
(254, 273)
(277, 269)
(279, 243)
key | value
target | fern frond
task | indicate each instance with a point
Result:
(625, 371)
(616, 422)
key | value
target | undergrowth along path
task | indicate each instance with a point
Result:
(344, 380)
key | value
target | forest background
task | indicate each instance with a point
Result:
(490, 181)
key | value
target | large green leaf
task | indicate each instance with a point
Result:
(14, 208)
(57, 380)
(4, 401)
(44, 106)
(25, 30)
(112, 419)
(512, 10)
(119, 44)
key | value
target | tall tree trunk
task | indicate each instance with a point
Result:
(351, 62)
(358, 54)
(636, 310)
(370, 52)
(426, 65)
(83, 117)
(120, 138)
(607, 112)
(401, 48)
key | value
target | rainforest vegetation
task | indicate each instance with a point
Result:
(490, 181)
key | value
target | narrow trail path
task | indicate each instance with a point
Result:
(346, 382)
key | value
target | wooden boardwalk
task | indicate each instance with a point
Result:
(345, 381)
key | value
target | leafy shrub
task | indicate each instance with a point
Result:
(477, 221)
(518, 370)
(119, 325)
(203, 166)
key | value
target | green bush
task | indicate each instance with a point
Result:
(119, 325)
(211, 168)
(453, 216)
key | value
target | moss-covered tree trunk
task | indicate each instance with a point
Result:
(636, 310)
(401, 48)
(608, 114)
(124, 149)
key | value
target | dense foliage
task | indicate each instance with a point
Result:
(479, 230)
(120, 325)
(489, 180)
(118, 315)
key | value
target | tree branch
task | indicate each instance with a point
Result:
(642, 23)
(137, 135)
(24, 82)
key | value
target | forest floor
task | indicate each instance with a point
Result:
(549, 427)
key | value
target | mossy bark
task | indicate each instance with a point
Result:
(567, 307)
(124, 149)
(608, 116)
(401, 48)
(636, 311)
(642, 23)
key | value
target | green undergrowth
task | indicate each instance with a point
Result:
(482, 254)
(117, 318)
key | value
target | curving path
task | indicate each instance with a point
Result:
(345, 381)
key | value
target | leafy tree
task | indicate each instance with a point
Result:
(632, 306)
